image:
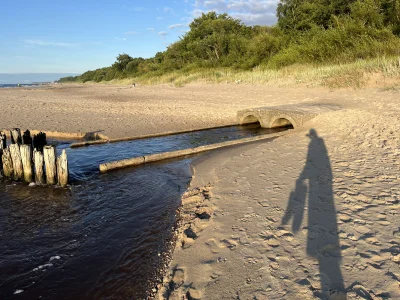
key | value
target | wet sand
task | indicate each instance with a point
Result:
(313, 214)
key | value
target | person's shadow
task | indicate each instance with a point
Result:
(322, 230)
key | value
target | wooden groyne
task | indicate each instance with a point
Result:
(19, 162)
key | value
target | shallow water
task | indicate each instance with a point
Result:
(106, 235)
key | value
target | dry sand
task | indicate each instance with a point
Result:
(300, 217)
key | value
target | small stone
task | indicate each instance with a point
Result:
(273, 242)
(362, 229)
(274, 266)
(32, 184)
(345, 218)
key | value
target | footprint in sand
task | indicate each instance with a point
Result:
(214, 246)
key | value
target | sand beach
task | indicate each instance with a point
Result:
(310, 215)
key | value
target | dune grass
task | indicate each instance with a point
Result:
(383, 71)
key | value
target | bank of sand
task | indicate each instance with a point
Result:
(298, 217)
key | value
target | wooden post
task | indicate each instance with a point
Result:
(3, 145)
(8, 169)
(26, 157)
(26, 138)
(49, 153)
(39, 174)
(17, 162)
(39, 141)
(15, 134)
(3, 140)
(62, 169)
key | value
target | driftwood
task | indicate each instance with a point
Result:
(135, 161)
(26, 138)
(62, 169)
(15, 134)
(8, 169)
(16, 160)
(26, 157)
(49, 153)
(39, 173)
(39, 141)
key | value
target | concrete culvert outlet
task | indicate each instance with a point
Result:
(250, 119)
(282, 122)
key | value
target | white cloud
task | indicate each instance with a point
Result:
(120, 39)
(47, 43)
(159, 18)
(130, 33)
(251, 12)
(175, 26)
(162, 33)
(150, 29)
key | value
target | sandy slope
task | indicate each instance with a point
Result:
(300, 217)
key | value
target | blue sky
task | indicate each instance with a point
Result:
(73, 36)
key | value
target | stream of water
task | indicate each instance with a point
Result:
(106, 235)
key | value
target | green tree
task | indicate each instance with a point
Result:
(122, 61)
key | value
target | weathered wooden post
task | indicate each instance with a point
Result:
(49, 153)
(26, 157)
(3, 141)
(8, 169)
(16, 160)
(26, 138)
(15, 134)
(3, 145)
(38, 160)
(39, 141)
(62, 169)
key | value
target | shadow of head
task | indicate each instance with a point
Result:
(312, 133)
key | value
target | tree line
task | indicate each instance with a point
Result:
(307, 32)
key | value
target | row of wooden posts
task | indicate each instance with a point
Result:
(40, 166)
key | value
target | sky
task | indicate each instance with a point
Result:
(73, 36)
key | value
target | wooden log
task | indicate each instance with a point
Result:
(8, 169)
(26, 138)
(15, 134)
(146, 136)
(17, 161)
(49, 153)
(26, 157)
(39, 170)
(62, 169)
(39, 141)
(114, 165)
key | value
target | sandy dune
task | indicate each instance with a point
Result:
(311, 215)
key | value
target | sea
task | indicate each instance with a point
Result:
(15, 85)
(13, 80)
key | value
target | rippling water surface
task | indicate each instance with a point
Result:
(103, 237)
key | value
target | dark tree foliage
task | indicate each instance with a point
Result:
(308, 31)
